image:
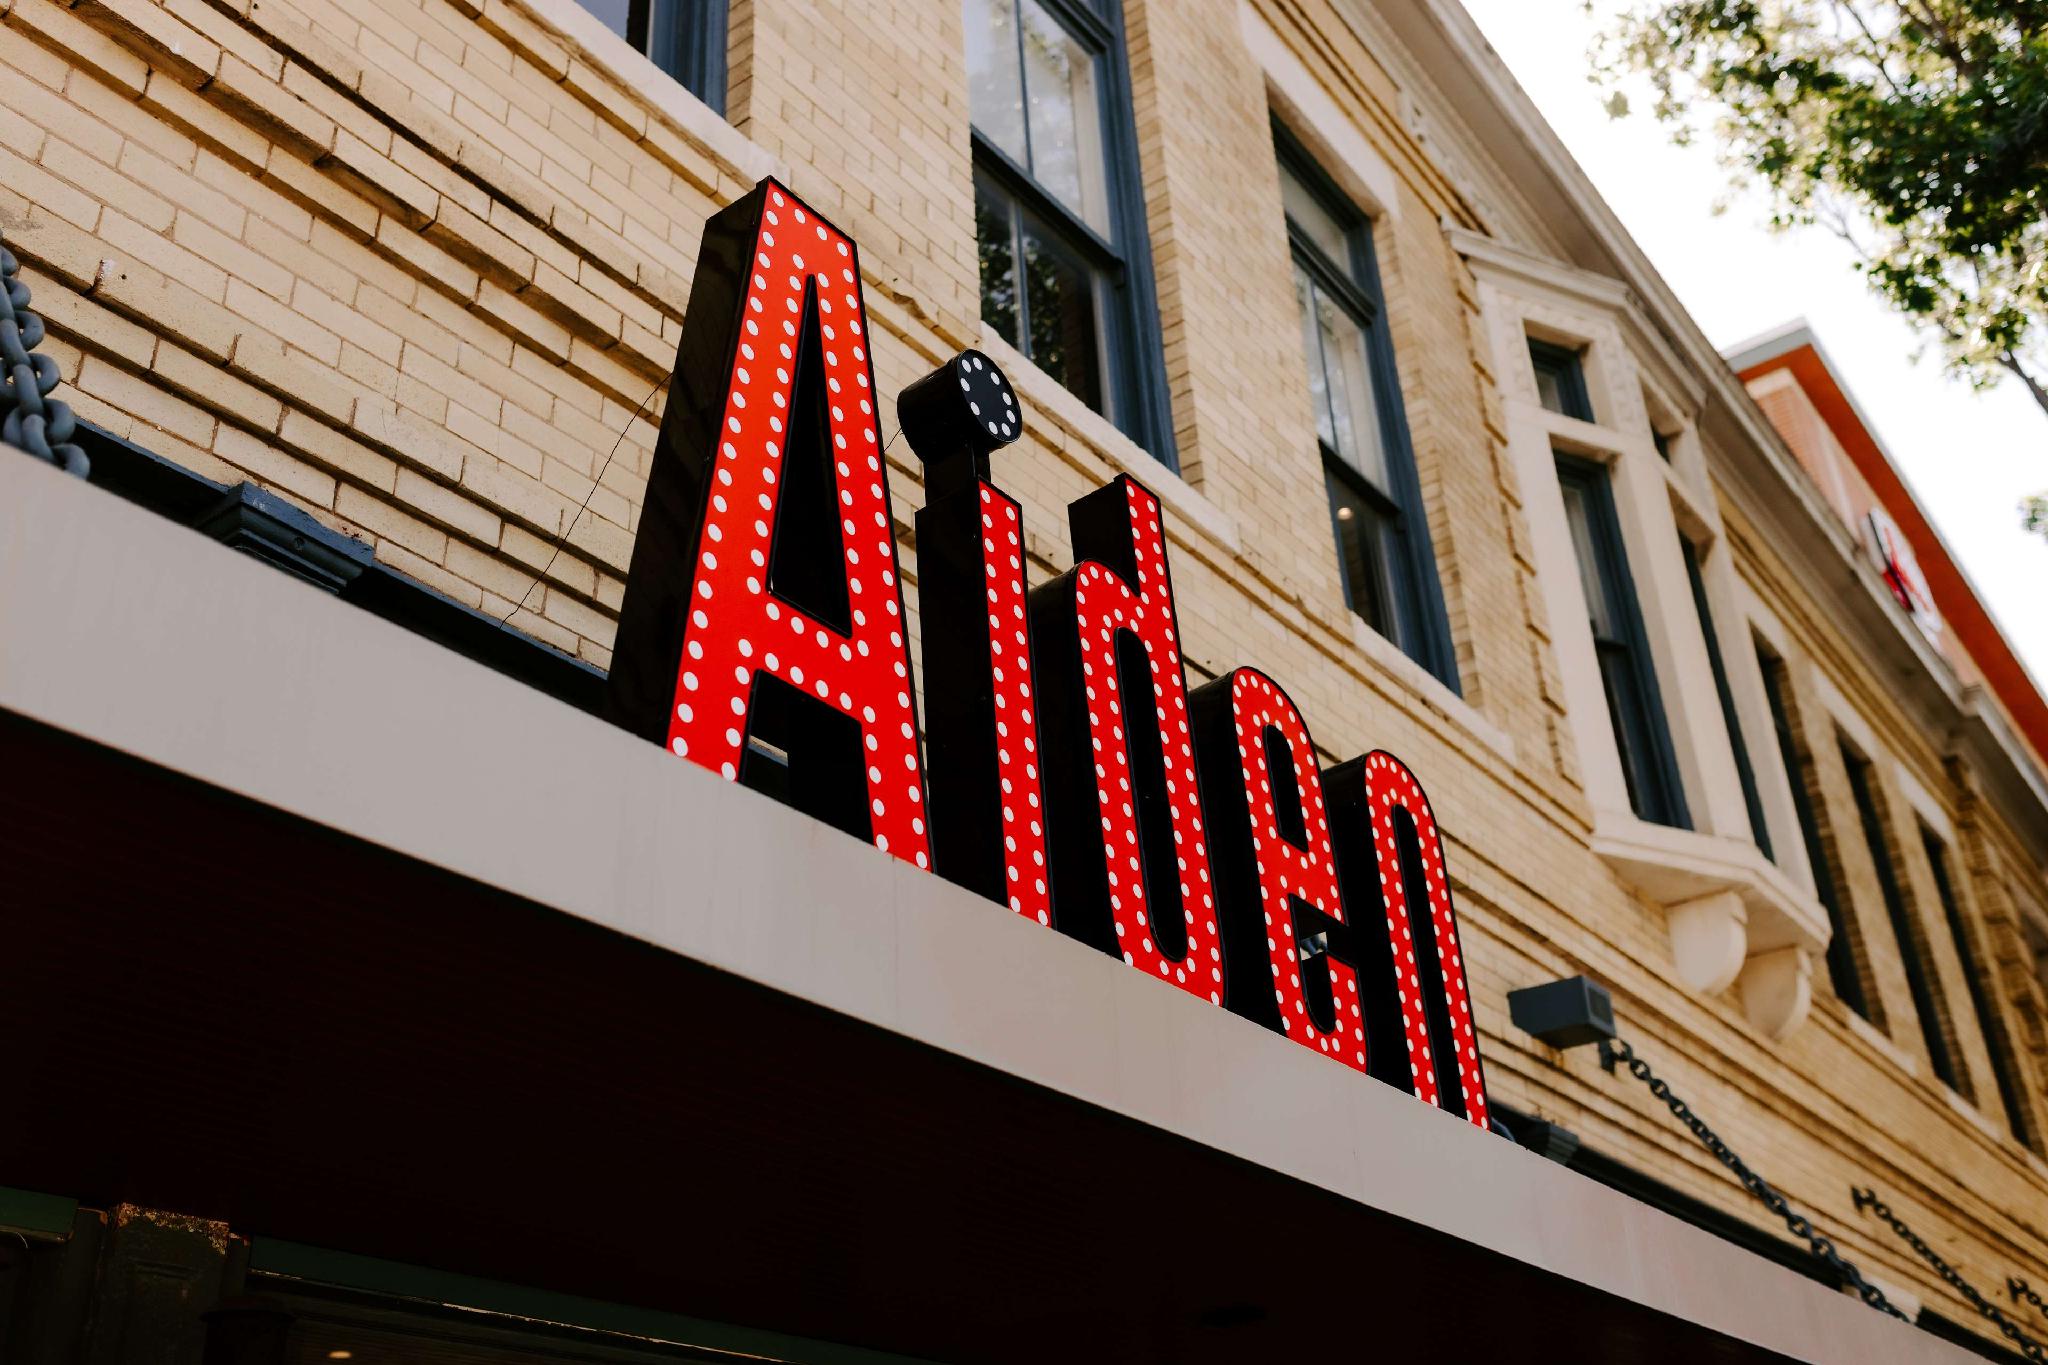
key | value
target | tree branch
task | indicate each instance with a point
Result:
(1944, 37)
(2012, 363)
(1838, 223)
(1876, 48)
(1830, 214)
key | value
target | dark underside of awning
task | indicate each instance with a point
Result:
(217, 1009)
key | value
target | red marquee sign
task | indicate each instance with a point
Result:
(1071, 775)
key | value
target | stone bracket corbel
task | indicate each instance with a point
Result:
(1777, 990)
(1734, 920)
(1711, 949)
(1709, 940)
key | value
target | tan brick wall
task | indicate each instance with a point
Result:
(416, 264)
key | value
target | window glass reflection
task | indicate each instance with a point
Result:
(1340, 381)
(616, 15)
(1560, 380)
(1362, 536)
(1382, 540)
(1045, 305)
(996, 244)
(1579, 518)
(1052, 274)
(1312, 346)
(1308, 213)
(995, 92)
(1627, 672)
(1065, 117)
(1060, 301)
(1351, 400)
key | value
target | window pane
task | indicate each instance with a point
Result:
(1634, 704)
(1752, 799)
(1625, 714)
(2038, 946)
(1995, 1039)
(1349, 374)
(1312, 346)
(995, 92)
(1560, 380)
(1921, 982)
(1361, 552)
(1060, 303)
(616, 15)
(1308, 213)
(1066, 117)
(1799, 775)
(1579, 517)
(996, 244)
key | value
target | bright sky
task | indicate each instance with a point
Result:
(1969, 456)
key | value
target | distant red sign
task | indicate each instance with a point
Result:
(1901, 570)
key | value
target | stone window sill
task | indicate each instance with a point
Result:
(661, 92)
(1123, 454)
(1878, 1039)
(1974, 1116)
(1430, 689)
(1909, 1065)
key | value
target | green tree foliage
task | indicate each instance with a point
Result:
(1917, 130)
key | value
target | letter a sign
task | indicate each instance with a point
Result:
(770, 449)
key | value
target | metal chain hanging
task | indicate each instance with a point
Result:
(29, 417)
(2020, 1289)
(1614, 1051)
(2031, 1349)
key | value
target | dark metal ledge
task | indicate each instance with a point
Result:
(272, 529)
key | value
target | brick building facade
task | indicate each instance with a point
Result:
(419, 269)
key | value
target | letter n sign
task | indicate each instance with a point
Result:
(762, 633)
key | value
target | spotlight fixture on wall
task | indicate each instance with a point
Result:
(1564, 1014)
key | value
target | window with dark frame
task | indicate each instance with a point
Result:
(1384, 556)
(1843, 974)
(1996, 1042)
(1752, 799)
(1627, 673)
(1561, 379)
(1928, 1003)
(1058, 207)
(2034, 929)
(685, 38)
